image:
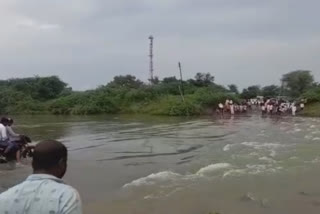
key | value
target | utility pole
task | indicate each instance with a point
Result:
(181, 80)
(151, 58)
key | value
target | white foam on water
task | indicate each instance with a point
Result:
(254, 154)
(283, 122)
(212, 168)
(267, 159)
(316, 160)
(316, 139)
(293, 131)
(171, 177)
(152, 196)
(235, 172)
(308, 137)
(312, 126)
(273, 153)
(258, 145)
(154, 178)
(271, 147)
(293, 158)
(260, 168)
(162, 194)
(227, 147)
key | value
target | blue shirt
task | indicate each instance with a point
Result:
(41, 193)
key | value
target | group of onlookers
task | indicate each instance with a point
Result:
(230, 107)
(267, 106)
(279, 106)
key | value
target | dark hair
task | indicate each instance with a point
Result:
(48, 154)
(4, 120)
(10, 120)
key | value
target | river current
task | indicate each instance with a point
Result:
(135, 164)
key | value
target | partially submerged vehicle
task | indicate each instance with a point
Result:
(26, 150)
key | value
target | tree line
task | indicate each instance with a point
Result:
(127, 94)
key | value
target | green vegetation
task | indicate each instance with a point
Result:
(311, 110)
(126, 94)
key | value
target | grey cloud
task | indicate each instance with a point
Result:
(87, 42)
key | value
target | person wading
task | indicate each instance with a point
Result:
(43, 192)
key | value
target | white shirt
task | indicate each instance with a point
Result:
(41, 193)
(11, 134)
(3, 132)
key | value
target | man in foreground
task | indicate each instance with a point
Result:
(43, 191)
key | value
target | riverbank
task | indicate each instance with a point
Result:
(311, 110)
(128, 95)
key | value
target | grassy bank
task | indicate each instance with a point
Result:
(123, 95)
(311, 110)
(128, 95)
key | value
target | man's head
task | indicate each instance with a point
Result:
(4, 121)
(50, 157)
(10, 121)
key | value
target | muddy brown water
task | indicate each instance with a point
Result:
(137, 164)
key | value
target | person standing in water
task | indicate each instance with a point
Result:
(293, 109)
(231, 107)
(43, 191)
(301, 105)
(221, 108)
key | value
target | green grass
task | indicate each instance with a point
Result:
(311, 110)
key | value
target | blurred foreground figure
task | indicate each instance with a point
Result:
(43, 191)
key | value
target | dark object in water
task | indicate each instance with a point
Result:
(22, 146)
(304, 193)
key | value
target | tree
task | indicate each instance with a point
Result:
(251, 92)
(233, 88)
(154, 81)
(270, 91)
(49, 87)
(297, 82)
(40, 88)
(172, 79)
(127, 81)
(202, 80)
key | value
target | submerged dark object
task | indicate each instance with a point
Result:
(25, 150)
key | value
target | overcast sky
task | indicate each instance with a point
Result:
(88, 42)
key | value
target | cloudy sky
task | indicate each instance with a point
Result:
(87, 42)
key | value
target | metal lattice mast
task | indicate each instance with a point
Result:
(151, 58)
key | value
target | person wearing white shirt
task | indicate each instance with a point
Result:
(44, 191)
(4, 140)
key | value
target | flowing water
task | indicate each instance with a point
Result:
(134, 164)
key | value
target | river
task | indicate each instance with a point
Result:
(138, 164)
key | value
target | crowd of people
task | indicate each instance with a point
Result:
(230, 107)
(280, 106)
(9, 139)
(266, 106)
